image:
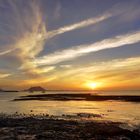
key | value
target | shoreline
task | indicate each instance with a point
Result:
(46, 127)
(78, 97)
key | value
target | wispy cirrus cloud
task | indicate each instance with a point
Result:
(106, 72)
(125, 64)
(78, 25)
(43, 70)
(42, 35)
(76, 51)
(6, 52)
(32, 35)
(3, 75)
(24, 35)
(39, 33)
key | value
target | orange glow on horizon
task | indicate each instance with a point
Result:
(92, 85)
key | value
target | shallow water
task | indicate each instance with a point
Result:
(111, 110)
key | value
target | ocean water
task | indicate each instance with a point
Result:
(111, 110)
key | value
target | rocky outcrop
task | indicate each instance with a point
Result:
(53, 129)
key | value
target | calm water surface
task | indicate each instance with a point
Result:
(112, 110)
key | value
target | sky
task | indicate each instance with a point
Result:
(70, 44)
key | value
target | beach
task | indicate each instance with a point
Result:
(55, 128)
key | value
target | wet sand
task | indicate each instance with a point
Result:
(87, 97)
(20, 127)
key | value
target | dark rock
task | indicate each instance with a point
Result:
(51, 129)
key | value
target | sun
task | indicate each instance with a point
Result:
(91, 85)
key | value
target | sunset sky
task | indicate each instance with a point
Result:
(70, 44)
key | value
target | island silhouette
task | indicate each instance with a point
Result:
(36, 89)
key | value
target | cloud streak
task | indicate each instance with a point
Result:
(78, 25)
(6, 52)
(80, 50)
(4, 75)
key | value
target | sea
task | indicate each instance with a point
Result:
(128, 112)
